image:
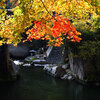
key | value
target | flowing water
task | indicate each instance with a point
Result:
(34, 84)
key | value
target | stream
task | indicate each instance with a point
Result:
(34, 84)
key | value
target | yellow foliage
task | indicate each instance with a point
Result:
(14, 26)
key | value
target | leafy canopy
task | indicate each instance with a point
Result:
(51, 20)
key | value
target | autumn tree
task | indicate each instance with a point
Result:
(6, 37)
(46, 12)
(51, 20)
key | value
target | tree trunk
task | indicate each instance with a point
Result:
(4, 61)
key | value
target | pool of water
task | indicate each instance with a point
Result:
(34, 84)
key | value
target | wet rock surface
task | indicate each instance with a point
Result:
(49, 66)
(85, 71)
(20, 51)
(54, 65)
(56, 56)
(58, 71)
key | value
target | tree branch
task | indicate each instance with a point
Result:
(45, 7)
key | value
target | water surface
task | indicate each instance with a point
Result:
(34, 84)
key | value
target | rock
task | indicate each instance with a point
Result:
(39, 65)
(65, 66)
(85, 69)
(53, 70)
(30, 58)
(26, 65)
(19, 52)
(68, 71)
(40, 56)
(48, 51)
(64, 77)
(60, 72)
(39, 61)
(40, 51)
(77, 67)
(47, 68)
(69, 77)
(32, 52)
(55, 56)
(37, 56)
(14, 69)
(18, 62)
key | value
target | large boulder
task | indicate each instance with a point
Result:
(56, 56)
(14, 69)
(20, 51)
(85, 70)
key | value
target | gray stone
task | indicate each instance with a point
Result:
(20, 51)
(39, 61)
(47, 68)
(56, 56)
(26, 65)
(18, 62)
(60, 72)
(49, 51)
(64, 77)
(32, 52)
(65, 66)
(39, 65)
(53, 70)
(14, 68)
(29, 58)
(85, 69)
(69, 77)
(76, 66)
